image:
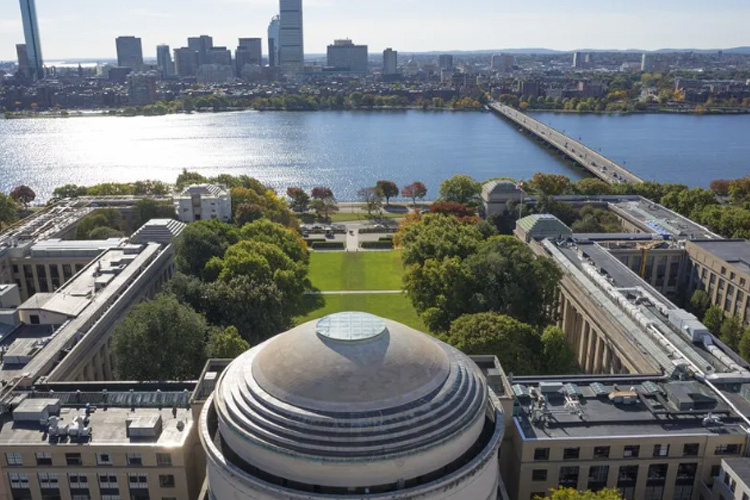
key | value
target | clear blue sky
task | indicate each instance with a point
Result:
(87, 28)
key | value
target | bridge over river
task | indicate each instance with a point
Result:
(597, 164)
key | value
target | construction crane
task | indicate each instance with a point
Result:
(645, 248)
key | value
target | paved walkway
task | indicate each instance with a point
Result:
(357, 292)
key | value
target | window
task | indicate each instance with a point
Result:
(15, 269)
(715, 470)
(723, 270)
(163, 459)
(107, 481)
(48, 481)
(743, 282)
(571, 453)
(73, 459)
(166, 480)
(111, 497)
(539, 475)
(601, 452)
(135, 459)
(657, 472)
(13, 459)
(78, 481)
(138, 481)
(661, 450)
(598, 475)
(728, 449)
(19, 481)
(631, 451)
(43, 458)
(569, 477)
(541, 454)
(690, 450)
(686, 473)
(34, 319)
(103, 459)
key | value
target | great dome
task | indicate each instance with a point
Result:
(350, 403)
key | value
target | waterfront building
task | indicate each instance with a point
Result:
(104, 441)
(129, 52)
(142, 88)
(433, 423)
(204, 202)
(445, 62)
(23, 60)
(249, 52)
(390, 62)
(185, 62)
(291, 35)
(164, 61)
(274, 42)
(345, 57)
(33, 39)
(201, 45)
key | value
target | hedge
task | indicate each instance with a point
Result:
(372, 230)
(377, 245)
(328, 245)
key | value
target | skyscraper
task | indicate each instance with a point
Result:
(273, 42)
(390, 62)
(185, 62)
(23, 60)
(129, 52)
(291, 36)
(31, 33)
(202, 45)
(445, 62)
(249, 51)
(164, 61)
(344, 56)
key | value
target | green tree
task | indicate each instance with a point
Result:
(559, 356)
(187, 178)
(744, 346)
(372, 199)
(731, 332)
(104, 217)
(515, 344)
(713, 319)
(148, 209)
(700, 302)
(324, 207)
(226, 344)
(551, 184)
(414, 190)
(322, 193)
(202, 241)
(247, 213)
(23, 195)
(437, 236)
(592, 187)
(8, 210)
(104, 233)
(300, 199)
(160, 340)
(572, 494)
(151, 188)
(68, 191)
(387, 189)
(460, 189)
(288, 240)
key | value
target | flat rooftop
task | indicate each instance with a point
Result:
(661, 220)
(741, 467)
(74, 248)
(618, 407)
(735, 252)
(43, 225)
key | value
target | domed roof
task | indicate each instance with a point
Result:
(352, 363)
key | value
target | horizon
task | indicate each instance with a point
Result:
(70, 31)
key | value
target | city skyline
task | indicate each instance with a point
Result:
(442, 28)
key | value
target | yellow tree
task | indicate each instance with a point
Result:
(572, 494)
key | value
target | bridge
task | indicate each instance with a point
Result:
(596, 163)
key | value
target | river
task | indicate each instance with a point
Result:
(351, 150)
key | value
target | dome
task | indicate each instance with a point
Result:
(351, 401)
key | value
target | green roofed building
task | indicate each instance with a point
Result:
(541, 227)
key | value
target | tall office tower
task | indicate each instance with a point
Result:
(31, 34)
(129, 52)
(502, 63)
(142, 88)
(390, 62)
(164, 61)
(647, 63)
(185, 62)
(23, 60)
(344, 56)
(445, 61)
(249, 51)
(219, 55)
(579, 60)
(273, 42)
(202, 45)
(291, 36)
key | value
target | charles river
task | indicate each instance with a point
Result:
(351, 150)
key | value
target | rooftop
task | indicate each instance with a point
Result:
(740, 466)
(204, 189)
(661, 220)
(55, 247)
(735, 252)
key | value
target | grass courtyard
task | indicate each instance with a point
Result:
(358, 271)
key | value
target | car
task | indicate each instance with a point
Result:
(305, 234)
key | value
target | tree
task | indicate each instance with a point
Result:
(437, 236)
(551, 184)
(731, 332)
(288, 240)
(372, 198)
(300, 199)
(324, 208)
(23, 195)
(713, 319)
(515, 344)
(720, 187)
(247, 213)
(8, 210)
(322, 193)
(745, 345)
(387, 190)
(572, 494)
(187, 178)
(226, 344)
(160, 340)
(460, 189)
(104, 233)
(151, 188)
(200, 242)
(451, 208)
(104, 217)
(592, 187)
(414, 190)
(559, 357)
(700, 302)
(68, 191)
(147, 209)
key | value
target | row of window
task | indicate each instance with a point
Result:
(50, 480)
(15, 459)
(634, 451)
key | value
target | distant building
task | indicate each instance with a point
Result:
(201, 45)
(215, 73)
(185, 62)
(221, 56)
(445, 62)
(164, 61)
(142, 88)
(496, 195)
(390, 62)
(528, 88)
(118, 75)
(204, 202)
(23, 60)
(33, 42)
(502, 63)
(249, 51)
(647, 63)
(291, 35)
(344, 56)
(580, 60)
(273, 42)
(129, 52)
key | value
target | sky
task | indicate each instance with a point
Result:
(87, 28)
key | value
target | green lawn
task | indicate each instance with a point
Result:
(335, 271)
(395, 307)
(349, 216)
